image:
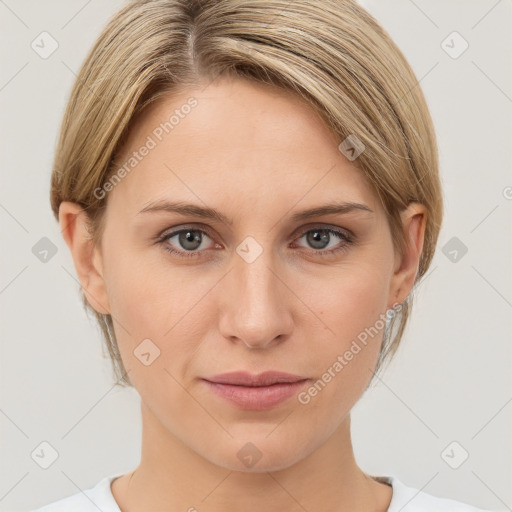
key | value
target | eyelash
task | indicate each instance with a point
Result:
(348, 241)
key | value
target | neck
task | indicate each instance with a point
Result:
(171, 477)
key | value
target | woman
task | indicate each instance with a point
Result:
(250, 193)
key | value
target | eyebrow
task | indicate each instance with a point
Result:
(205, 212)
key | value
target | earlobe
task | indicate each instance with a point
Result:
(406, 267)
(86, 257)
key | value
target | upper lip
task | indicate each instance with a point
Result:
(241, 378)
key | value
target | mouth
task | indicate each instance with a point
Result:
(256, 392)
(242, 378)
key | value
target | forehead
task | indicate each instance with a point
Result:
(235, 138)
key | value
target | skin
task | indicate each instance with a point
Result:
(258, 156)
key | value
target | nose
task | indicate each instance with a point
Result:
(255, 303)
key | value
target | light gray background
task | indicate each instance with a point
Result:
(451, 380)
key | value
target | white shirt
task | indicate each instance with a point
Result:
(404, 499)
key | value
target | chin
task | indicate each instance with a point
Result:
(256, 454)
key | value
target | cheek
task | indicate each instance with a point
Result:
(152, 300)
(350, 299)
(146, 293)
(352, 308)
(143, 303)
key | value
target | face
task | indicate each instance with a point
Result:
(256, 287)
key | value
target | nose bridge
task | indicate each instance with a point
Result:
(255, 310)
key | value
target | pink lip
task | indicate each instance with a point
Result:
(256, 392)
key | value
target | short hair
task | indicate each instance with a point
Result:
(331, 53)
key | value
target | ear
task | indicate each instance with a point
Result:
(414, 219)
(87, 257)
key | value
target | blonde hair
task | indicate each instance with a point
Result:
(332, 53)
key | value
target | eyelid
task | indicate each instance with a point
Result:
(297, 233)
(177, 229)
(320, 225)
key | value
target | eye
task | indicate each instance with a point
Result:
(189, 242)
(320, 238)
(192, 242)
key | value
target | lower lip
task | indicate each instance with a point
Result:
(257, 398)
